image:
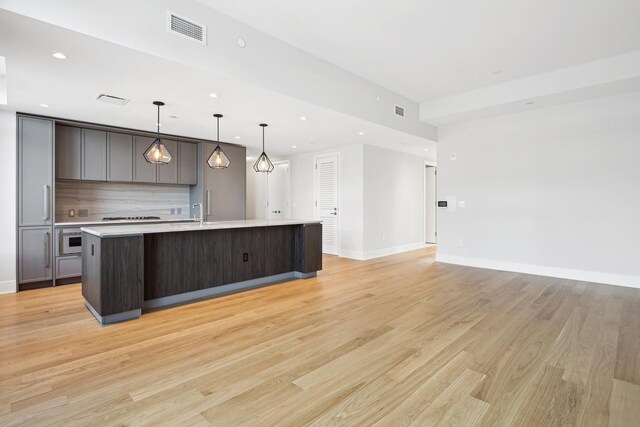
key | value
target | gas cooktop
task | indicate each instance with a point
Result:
(129, 218)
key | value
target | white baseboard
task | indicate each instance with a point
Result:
(543, 270)
(8, 287)
(358, 255)
(394, 250)
(363, 256)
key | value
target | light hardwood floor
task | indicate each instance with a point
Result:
(399, 340)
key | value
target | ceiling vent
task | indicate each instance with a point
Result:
(110, 99)
(186, 27)
(399, 111)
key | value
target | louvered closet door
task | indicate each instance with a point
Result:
(327, 202)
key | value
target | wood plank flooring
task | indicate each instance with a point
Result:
(399, 340)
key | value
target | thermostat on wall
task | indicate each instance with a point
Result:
(442, 203)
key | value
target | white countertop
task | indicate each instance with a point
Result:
(140, 229)
(120, 222)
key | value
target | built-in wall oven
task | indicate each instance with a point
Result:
(68, 254)
(70, 242)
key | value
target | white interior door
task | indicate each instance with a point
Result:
(284, 190)
(430, 204)
(278, 193)
(272, 194)
(326, 193)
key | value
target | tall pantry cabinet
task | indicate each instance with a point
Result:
(35, 201)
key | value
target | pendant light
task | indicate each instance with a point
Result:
(157, 152)
(263, 164)
(217, 159)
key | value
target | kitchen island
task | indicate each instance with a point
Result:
(128, 268)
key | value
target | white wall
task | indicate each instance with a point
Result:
(553, 191)
(351, 194)
(256, 193)
(381, 199)
(393, 201)
(8, 205)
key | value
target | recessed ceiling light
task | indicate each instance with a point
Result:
(360, 133)
(426, 149)
(44, 105)
(237, 137)
(249, 158)
(59, 55)
(241, 42)
(213, 95)
(303, 118)
(294, 146)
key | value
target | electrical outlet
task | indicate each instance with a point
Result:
(179, 211)
(83, 213)
(460, 242)
(453, 156)
(245, 257)
(72, 213)
(172, 211)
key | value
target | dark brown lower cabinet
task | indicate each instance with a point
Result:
(119, 273)
(112, 273)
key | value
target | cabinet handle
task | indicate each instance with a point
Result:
(45, 192)
(208, 202)
(47, 254)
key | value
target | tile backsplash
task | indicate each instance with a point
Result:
(103, 199)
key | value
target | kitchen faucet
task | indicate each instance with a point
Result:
(201, 213)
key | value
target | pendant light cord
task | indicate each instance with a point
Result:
(218, 130)
(158, 122)
(263, 139)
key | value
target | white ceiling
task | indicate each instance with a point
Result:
(94, 66)
(426, 49)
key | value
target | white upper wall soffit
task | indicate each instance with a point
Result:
(265, 62)
(93, 66)
(610, 76)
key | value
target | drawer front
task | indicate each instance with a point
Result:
(68, 267)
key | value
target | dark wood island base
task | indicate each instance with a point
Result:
(128, 272)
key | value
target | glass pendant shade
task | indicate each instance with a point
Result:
(157, 153)
(217, 159)
(263, 164)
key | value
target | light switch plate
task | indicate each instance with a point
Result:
(453, 156)
(461, 204)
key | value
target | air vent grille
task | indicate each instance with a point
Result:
(399, 111)
(110, 99)
(186, 27)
